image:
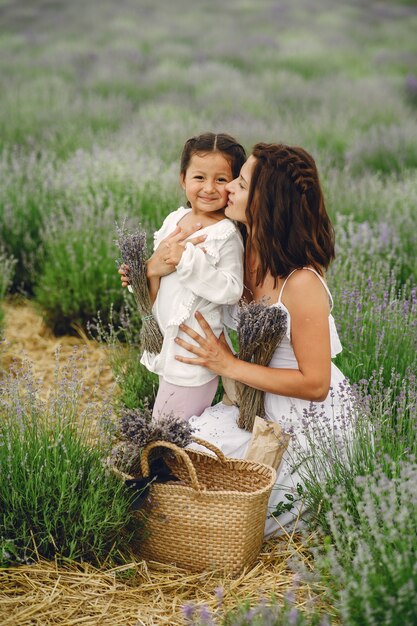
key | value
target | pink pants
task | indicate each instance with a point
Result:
(183, 401)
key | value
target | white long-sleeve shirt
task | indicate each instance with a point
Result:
(203, 281)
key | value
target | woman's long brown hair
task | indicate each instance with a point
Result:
(288, 224)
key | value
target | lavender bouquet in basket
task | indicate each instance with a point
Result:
(137, 429)
(133, 254)
(260, 330)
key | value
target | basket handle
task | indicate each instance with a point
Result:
(212, 447)
(179, 452)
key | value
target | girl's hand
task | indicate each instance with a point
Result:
(168, 253)
(174, 252)
(124, 273)
(210, 352)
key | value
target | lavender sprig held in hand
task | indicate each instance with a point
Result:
(133, 251)
(261, 328)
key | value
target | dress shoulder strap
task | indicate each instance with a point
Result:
(283, 285)
(321, 279)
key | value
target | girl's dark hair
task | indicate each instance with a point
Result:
(211, 142)
(288, 224)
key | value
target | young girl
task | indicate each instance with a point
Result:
(201, 274)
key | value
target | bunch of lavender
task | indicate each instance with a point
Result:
(137, 427)
(260, 330)
(133, 254)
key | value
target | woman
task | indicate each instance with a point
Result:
(289, 243)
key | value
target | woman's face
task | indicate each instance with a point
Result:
(239, 192)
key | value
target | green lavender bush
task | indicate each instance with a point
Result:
(26, 203)
(377, 430)
(77, 249)
(49, 110)
(376, 318)
(57, 496)
(120, 336)
(373, 556)
(7, 265)
(79, 263)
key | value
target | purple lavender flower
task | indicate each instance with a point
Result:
(134, 253)
(411, 86)
(188, 611)
(293, 617)
(219, 593)
(137, 426)
(206, 617)
(174, 429)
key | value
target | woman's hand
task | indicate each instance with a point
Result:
(210, 352)
(169, 252)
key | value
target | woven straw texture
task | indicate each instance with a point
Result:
(213, 517)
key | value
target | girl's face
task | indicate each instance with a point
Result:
(205, 182)
(239, 192)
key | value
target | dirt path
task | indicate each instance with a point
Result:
(26, 336)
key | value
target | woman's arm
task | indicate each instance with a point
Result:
(307, 302)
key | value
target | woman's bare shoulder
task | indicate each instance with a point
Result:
(303, 286)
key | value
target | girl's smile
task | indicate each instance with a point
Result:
(205, 182)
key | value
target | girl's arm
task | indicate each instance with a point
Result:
(157, 265)
(153, 286)
(152, 279)
(221, 283)
(307, 302)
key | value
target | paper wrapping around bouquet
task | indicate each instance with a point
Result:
(236, 394)
(268, 443)
(230, 391)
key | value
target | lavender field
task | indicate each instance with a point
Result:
(97, 99)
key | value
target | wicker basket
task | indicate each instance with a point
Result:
(213, 517)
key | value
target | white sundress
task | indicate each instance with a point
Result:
(218, 423)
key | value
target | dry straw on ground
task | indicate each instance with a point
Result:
(27, 337)
(136, 594)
